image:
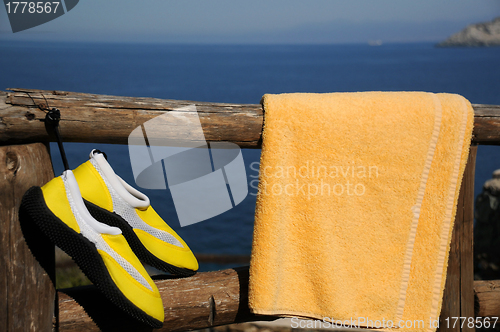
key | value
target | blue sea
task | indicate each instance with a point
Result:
(242, 74)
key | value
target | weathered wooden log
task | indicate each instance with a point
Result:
(207, 299)
(111, 119)
(486, 124)
(27, 291)
(487, 297)
(458, 299)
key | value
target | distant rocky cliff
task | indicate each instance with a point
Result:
(480, 34)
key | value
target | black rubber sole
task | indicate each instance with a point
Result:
(34, 210)
(113, 219)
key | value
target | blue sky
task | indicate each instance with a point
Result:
(259, 21)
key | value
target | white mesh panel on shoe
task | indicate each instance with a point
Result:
(100, 244)
(127, 212)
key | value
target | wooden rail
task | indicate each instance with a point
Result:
(208, 299)
(204, 300)
(110, 119)
(487, 294)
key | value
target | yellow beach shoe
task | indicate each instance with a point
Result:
(114, 202)
(101, 251)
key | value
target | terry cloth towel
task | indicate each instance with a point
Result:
(356, 203)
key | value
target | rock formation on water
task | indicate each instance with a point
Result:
(480, 34)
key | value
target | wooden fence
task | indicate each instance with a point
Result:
(28, 300)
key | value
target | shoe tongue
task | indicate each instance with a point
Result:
(132, 196)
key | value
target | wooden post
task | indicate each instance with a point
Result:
(458, 300)
(27, 292)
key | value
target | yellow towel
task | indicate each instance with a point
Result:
(356, 203)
